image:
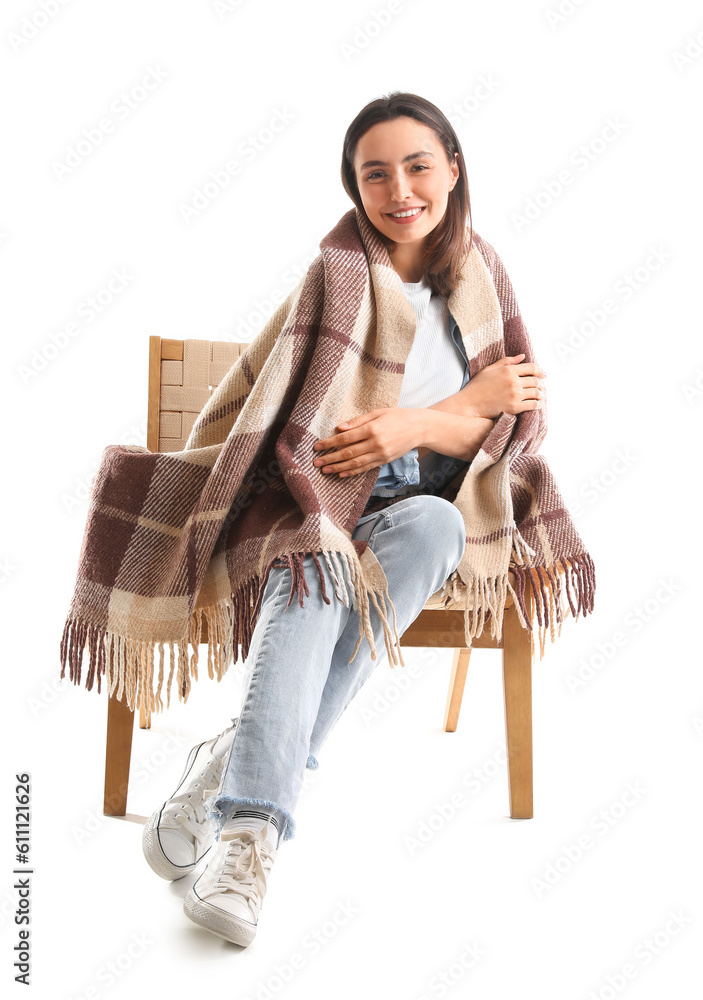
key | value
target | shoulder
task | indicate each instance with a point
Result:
(486, 249)
(499, 275)
(493, 262)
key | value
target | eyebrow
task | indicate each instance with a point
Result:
(406, 159)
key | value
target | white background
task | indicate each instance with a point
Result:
(526, 90)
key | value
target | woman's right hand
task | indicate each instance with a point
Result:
(506, 386)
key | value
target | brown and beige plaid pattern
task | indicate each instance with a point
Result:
(172, 538)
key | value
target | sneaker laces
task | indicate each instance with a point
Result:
(190, 811)
(245, 866)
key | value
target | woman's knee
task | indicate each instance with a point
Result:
(438, 524)
(455, 527)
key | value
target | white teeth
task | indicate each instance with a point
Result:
(404, 215)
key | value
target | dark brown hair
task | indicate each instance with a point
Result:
(445, 246)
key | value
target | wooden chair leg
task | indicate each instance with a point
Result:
(517, 689)
(118, 753)
(456, 688)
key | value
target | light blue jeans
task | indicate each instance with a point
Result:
(298, 678)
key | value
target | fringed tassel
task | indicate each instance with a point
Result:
(226, 629)
(146, 676)
(196, 630)
(453, 588)
(521, 551)
(361, 604)
(340, 587)
(128, 664)
(486, 597)
(158, 703)
(295, 562)
(363, 587)
(566, 586)
(172, 667)
(552, 596)
(395, 656)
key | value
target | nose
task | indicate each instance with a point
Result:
(400, 187)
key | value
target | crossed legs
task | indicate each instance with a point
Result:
(299, 680)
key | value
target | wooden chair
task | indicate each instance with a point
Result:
(182, 375)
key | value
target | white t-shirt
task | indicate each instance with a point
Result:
(434, 368)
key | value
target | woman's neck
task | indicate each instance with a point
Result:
(407, 261)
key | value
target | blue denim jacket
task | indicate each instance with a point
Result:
(405, 471)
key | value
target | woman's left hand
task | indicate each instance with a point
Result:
(370, 440)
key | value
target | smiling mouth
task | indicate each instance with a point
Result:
(406, 213)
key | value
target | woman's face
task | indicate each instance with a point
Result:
(399, 166)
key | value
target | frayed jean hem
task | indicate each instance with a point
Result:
(222, 808)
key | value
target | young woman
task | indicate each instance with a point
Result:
(403, 168)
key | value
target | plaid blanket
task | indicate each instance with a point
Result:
(172, 539)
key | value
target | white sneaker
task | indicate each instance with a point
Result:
(178, 835)
(228, 896)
